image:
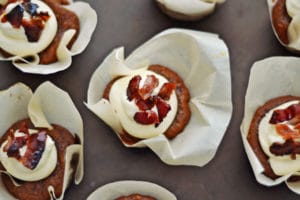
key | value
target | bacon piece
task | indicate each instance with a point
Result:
(147, 104)
(35, 148)
(286, 132)
(133, 87)
(163, 108)
(35, 144)
(166, 90)
(150, 84)
(287, 114)
(289, 147)
(146, 117)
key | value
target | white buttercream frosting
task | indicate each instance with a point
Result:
(282, 165)
(45, 167)
(293, 10)
(191, 7)
(126, 109)
(14, 40)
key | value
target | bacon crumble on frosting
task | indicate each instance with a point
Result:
(28, 154)
(34, 143)
(148, 103)
(145, 101)
(279, 137)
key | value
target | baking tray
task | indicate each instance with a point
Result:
(245, 27)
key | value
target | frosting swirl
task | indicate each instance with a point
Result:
(26, 27)
(42, 165)
(270, 135)
(137, 120)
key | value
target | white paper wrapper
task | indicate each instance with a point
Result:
(188, 10)
(48, 105)
(114, 190)
(88, 20)
(269, 78)
(202, 61)
(293, 30)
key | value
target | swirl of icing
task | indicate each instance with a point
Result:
(268, 135)
(126, 110)
(43, 169)
(26, 27)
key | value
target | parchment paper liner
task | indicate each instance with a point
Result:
(48, 105)
(202, 60)
(88, 20)
(204, 8)
(293, 49)
(114, 190)
(269, 78)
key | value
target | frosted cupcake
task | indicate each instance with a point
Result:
(41, 36)
(40, 147)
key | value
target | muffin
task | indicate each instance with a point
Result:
(38, 33)
(41, 154)
(274, 136)
(166, 95)
(285, 18)
(188, 10)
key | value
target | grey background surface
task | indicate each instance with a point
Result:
(245, 27)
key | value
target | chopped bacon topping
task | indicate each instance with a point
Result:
(287, 114)
(146, 117)
(133, 87)
(286, 132)
(289, 147)
(166, 90)
(150, 84)
(35, 144)
(145, 101)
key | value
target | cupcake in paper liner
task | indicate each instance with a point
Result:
(168, 95)
(270, 128)
(285, 19)
(122, 189)
(41, 143)
(41, 36)
(188, 10)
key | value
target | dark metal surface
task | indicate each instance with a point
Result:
(245, 27)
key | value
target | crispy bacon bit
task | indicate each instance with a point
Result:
(166, 90)
(287, 114)
(163, 108)
(146, 117)
(150, 84)
(35, 144)
(145, 101)
(35, 147)
(147, 104)
(286, 132)
(133, 87)
(289, 147)
(15, 16)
